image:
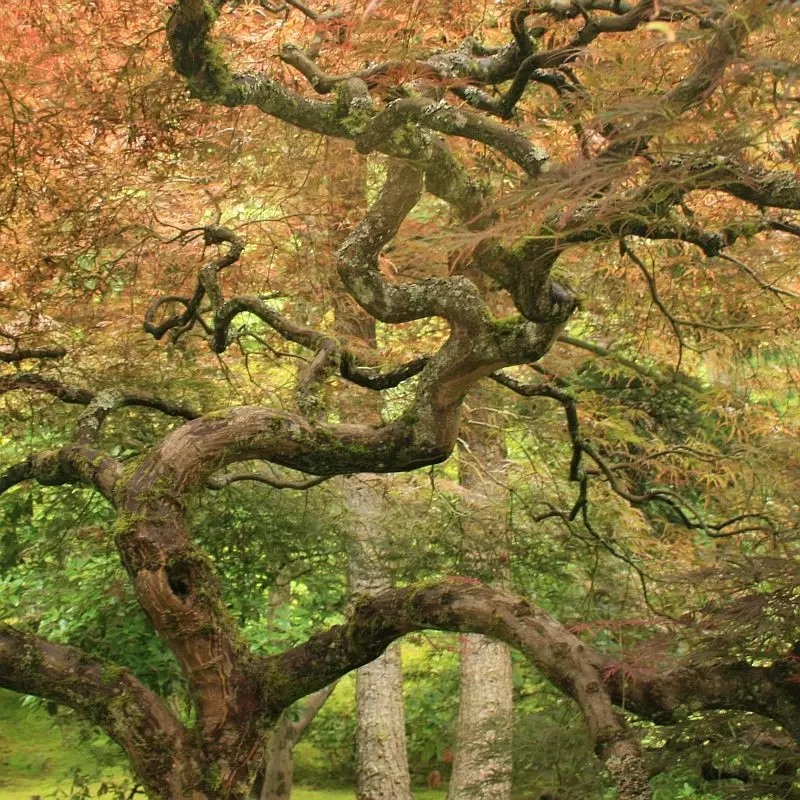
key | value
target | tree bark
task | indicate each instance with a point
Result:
(483, 757)
(278, 775)
(382, 760)
(279, 764)
(381, 754)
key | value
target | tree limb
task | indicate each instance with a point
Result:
(75, 463)
(106, 694)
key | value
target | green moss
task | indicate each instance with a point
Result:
(163, 488)
(506, 325)
(110, 673)
(125, 523)
(128, 471)
(406, 137)
(356, 121)
(195, 56)
(220, 413)
(213, 777)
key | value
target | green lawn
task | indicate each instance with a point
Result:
(37, 757)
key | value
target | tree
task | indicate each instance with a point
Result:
(483, 758)
(680, 159)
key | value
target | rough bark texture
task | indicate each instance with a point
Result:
(381, 756)
(483, 756)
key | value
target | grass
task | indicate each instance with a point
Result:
(38, 755)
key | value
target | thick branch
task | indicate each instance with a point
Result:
(455, 299)
(74, 463)
(376, 621)
(440, 116)
(197, 58)
(662, 696)
(107, 695)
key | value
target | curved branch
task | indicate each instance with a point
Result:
(440, 116)
(207, 284)
(364, 376)
(32, 381)
(659, 695)
(99, 404)
(377, 620)
(456, 299)
(730, 33)
(104, 693)
(570, 409)
(287, 328)
(75, 463)
(748, 182)
(104, 402)
(196, 57)
(221, 481)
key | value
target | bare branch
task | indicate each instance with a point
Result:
(99, 404)
(749, 182)
(221, 481)
(74, 463)
(366, 377)
(18, 353)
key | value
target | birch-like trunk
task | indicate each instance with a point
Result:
(483, 758)
(279, 766)
(381, 755)
(482, 766)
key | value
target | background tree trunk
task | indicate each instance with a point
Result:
(482, 766)
(279, 766)
(275, 781)
(483, 757)
(381, 754)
